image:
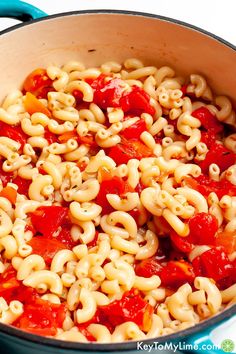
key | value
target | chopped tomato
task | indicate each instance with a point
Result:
(9, 193)
(33, 105)
(13, 132)
(110, 92)
(135, 130)
(129, 149)
(87, 140)
(208, 138)
(112, 185)
(205, 186)
(227, 240)
(38, 83)
(46, 247)
(64, 236)
(136, 101)
(82, 165)
(49, 136)
(13, 289)
(172, 273)
(208, 120)
(42, 317)
(107, 91)
(203, 228)
(47, 219)
(176, 273)
(183, 244)
(8, 281)
(23, 185)
(131, 307)
(148, 267)
(214, 264)
(219, 155)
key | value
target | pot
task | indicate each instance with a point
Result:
(94, 37)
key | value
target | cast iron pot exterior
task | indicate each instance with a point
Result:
(94, 37)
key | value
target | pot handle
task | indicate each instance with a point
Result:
(219, 339)
(20, 10)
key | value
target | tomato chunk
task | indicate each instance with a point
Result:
(131, 307)
(148, 267)
(23, 185)
(8, 282)
(219, 155)
(205, 186)
(203, 228)
(110, 185)
(47, 219)
(135, 130)
(107, 91)
(38, 83)
(46, 247)
(172, 273)
(183, 244)
(214, 264)
(9, 193)
(33, 105)
(208, 120)
(127, 150)
(13, 132)
(227, 240)
(41, 317)
(136, 101)
(176, 273)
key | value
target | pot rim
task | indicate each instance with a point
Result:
(130, 345)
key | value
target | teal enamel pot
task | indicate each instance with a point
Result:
(94, 37)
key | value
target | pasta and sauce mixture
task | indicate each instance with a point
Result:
(117, 202)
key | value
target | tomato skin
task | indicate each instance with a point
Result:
(127, 150)
(135, 130)
(208, 120)
(13, 132)
(136, 101)
(46, 247)
(220, 155)
(41, 317)
(214, 264)
(203, 228)
(38, 83)
(148, 267)
(47, 219)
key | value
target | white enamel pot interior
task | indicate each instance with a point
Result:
(94, 37)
